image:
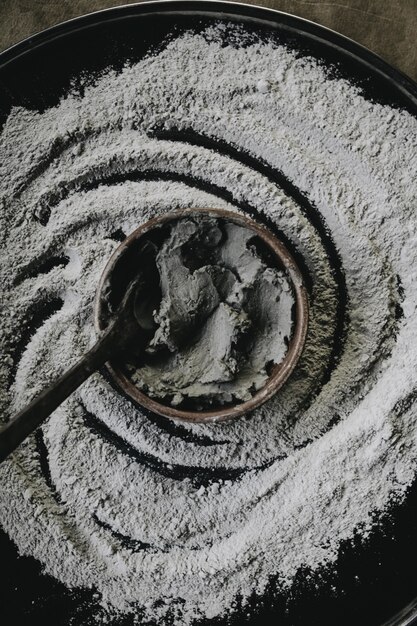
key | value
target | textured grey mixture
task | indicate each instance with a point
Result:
(224, 319)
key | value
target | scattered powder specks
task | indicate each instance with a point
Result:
(131, 506)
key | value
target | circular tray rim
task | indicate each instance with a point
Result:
(376, 63)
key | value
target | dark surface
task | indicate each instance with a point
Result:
(371, 581)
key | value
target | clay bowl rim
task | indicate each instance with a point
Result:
(279, 374)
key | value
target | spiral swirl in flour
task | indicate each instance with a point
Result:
(177, 521)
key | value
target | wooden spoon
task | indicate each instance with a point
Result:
(130, 327)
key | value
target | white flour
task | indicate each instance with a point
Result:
(303, 472)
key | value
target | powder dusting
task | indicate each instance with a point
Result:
(177, 522)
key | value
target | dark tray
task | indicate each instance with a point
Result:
(371, 585)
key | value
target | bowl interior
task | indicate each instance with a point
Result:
(123, 266)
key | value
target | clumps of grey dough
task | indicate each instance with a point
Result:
(221, 324)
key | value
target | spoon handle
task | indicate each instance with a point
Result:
(26, 421)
